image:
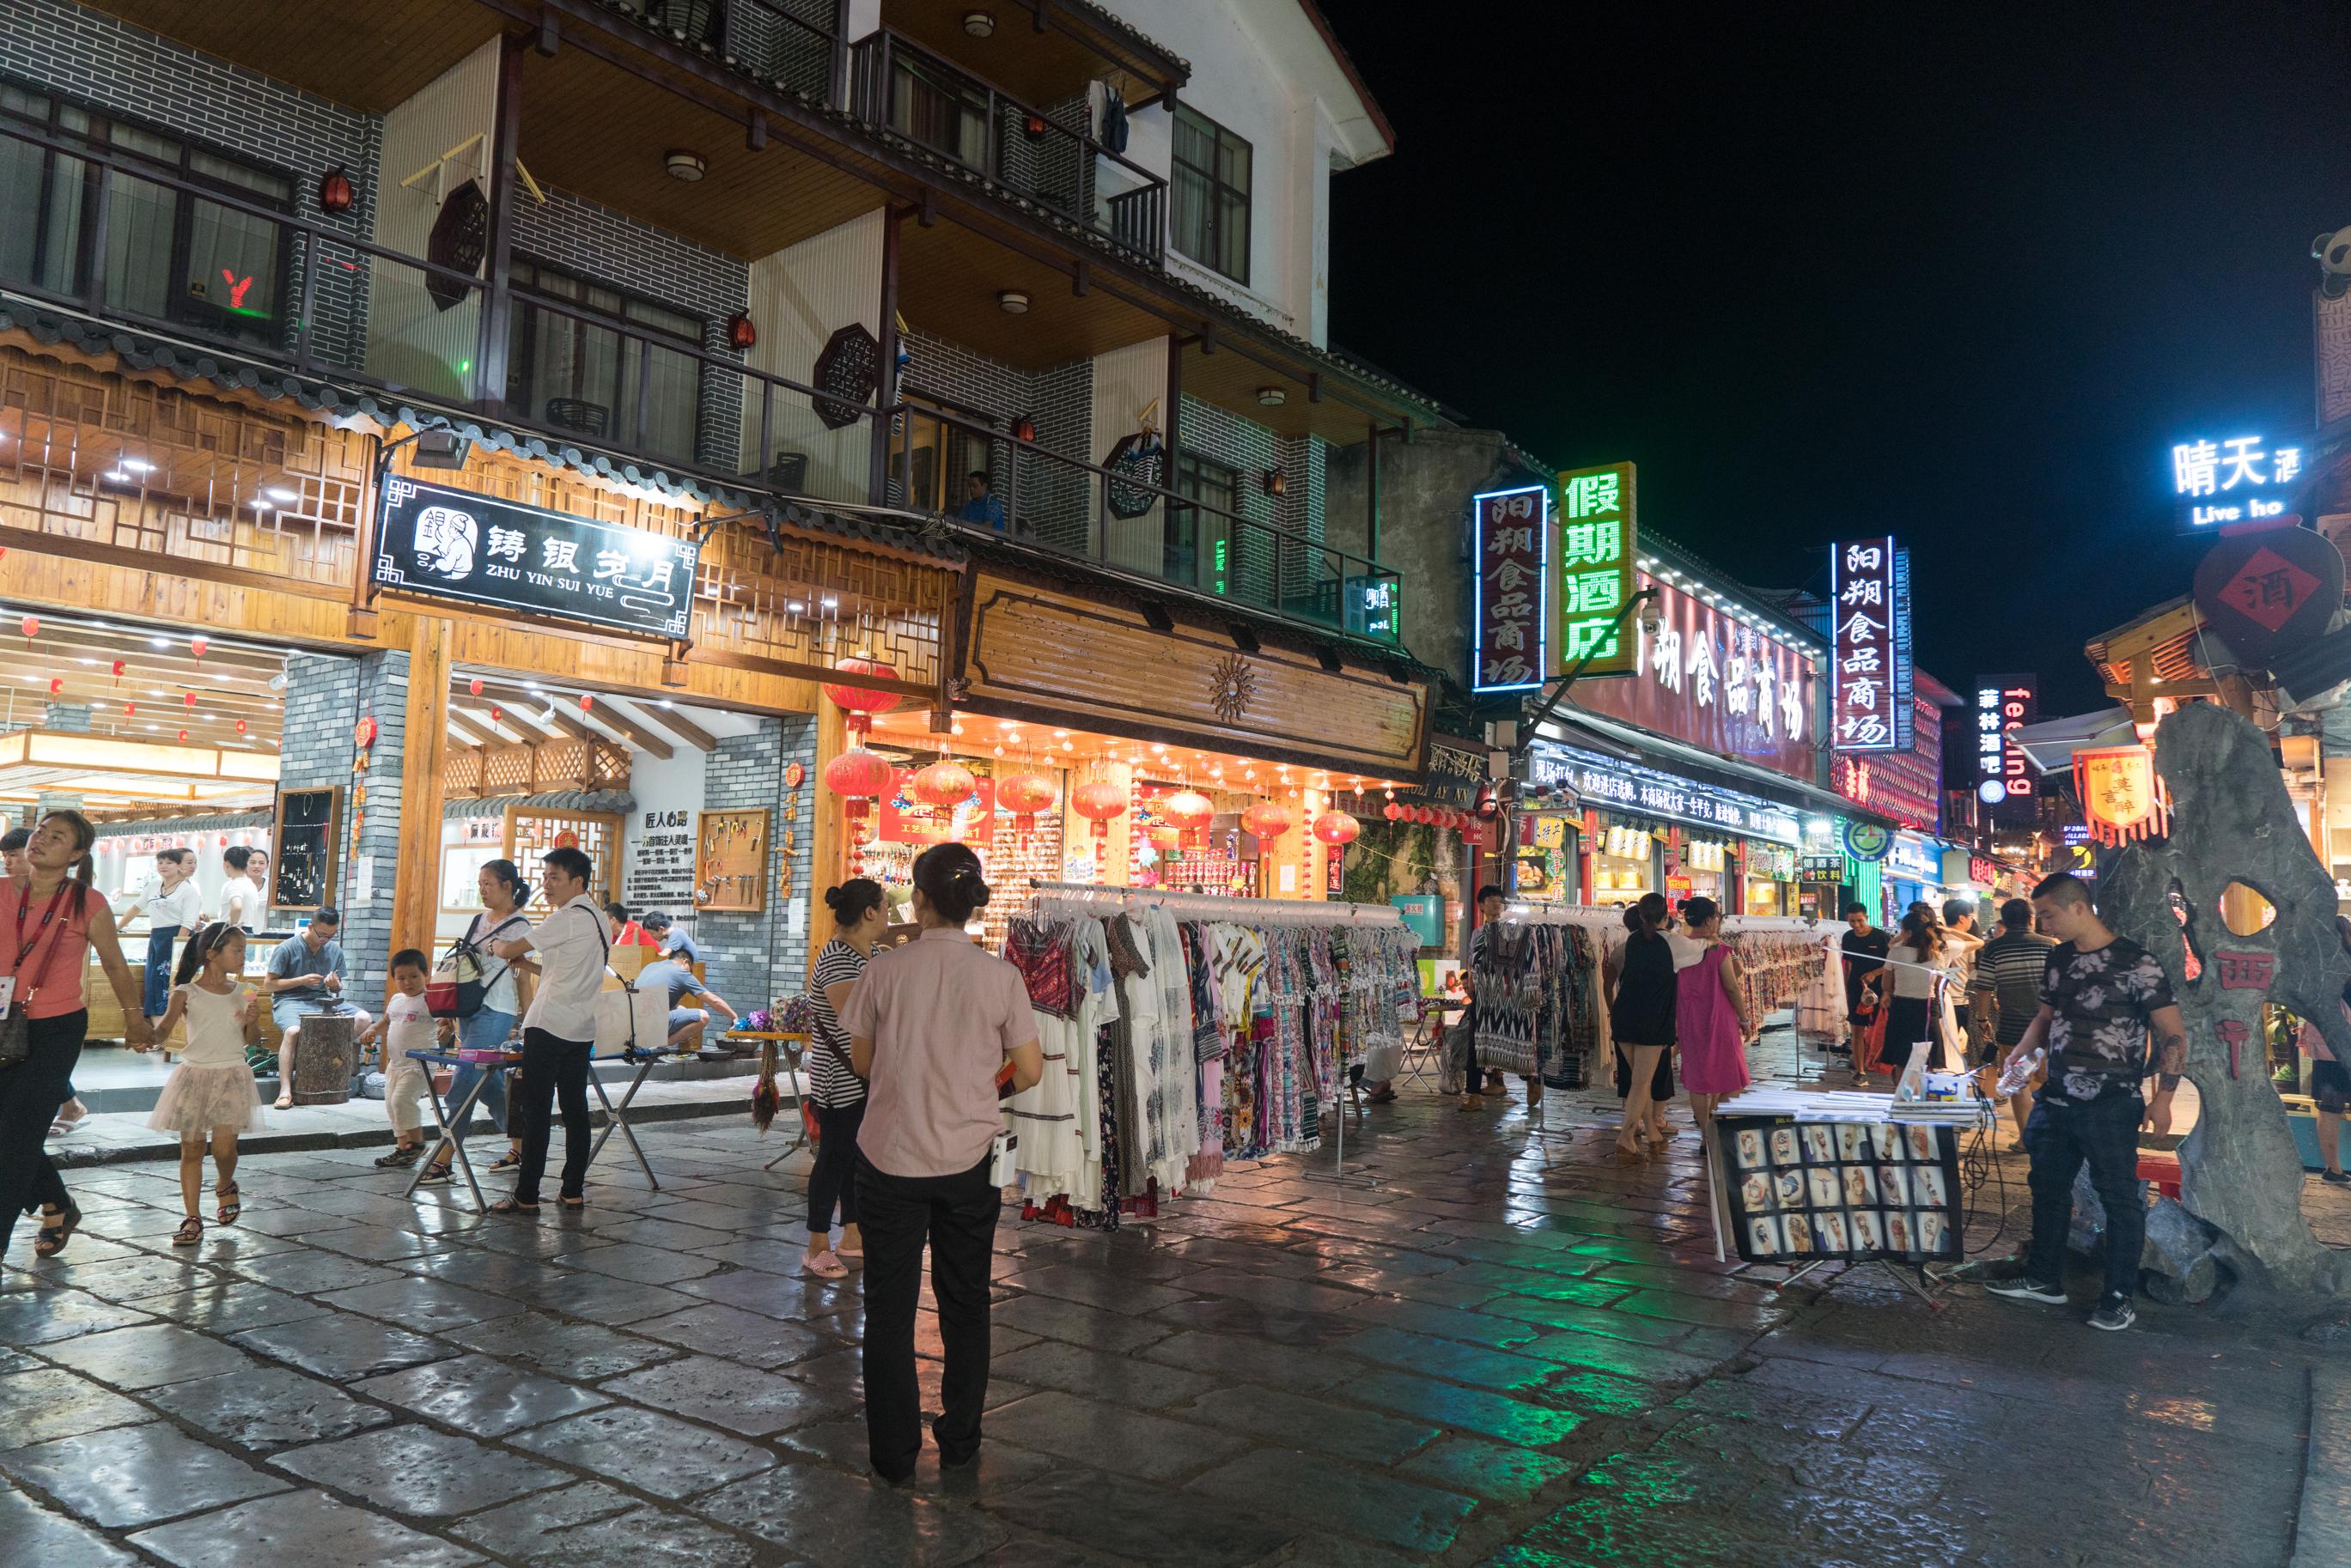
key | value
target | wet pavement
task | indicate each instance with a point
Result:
(1482, 1348)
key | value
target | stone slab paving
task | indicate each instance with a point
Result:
(1484, 1349)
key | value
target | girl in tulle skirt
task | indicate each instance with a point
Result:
(210, 1096)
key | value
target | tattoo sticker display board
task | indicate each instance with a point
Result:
(1853, 1191)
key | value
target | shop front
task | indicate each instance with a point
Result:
(1634, 829)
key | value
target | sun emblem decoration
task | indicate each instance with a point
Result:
(1232, 687)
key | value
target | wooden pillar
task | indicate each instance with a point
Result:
(491, 359)
(828, 830)
(423, 759)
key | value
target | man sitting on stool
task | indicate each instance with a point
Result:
(685, 1023)
(305, 981)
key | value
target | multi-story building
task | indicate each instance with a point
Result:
(530, 403)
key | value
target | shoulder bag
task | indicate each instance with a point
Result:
(16, 1028)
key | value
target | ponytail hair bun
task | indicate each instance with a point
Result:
(850, 900)
(948, 876)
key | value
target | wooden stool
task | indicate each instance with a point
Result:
(324, 1054)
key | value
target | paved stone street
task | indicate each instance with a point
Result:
(1483, 1349)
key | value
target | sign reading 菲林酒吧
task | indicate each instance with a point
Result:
(454, 544)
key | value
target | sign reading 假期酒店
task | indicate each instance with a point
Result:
(1869, 598)
(454, 544)
(1512, 626)
(1598, 537)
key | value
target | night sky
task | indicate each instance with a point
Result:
(1835, 272)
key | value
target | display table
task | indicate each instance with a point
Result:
(1806, 1177)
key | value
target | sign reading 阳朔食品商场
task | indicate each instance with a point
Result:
(1869, 601)
(1511, 630)
(1598, 538)
(2236, 479)
(454, 544)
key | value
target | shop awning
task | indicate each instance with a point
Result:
(2050, 745)
(1576, 727)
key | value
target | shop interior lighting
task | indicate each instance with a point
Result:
(136, 465)
(796, 606)
(830, 602)
(116, 476)
(281, 495)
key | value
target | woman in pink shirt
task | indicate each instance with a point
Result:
(931, 1025)
(49, 920)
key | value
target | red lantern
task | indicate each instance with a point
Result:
(1267, 820)
(1166, 838)
(362, 733)
(861, 702)
(130, 708)
(587, 703)
(1335, 828)
(196, 645)
(1025, 795)
(190, 698)
(1188, 811)
(183, 735)
(57, 684)
(1393, 811)
(858, 777)
(335, 192)
(495, 714)
(1099, 802)
(943, 786)
(1024, 429)
(117, 670)
(473, 687)
(743, 336)
(240, 726)
(30, 626)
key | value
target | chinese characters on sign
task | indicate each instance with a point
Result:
(1596, 546)
(2119, 793)
(2235, 479)
(1514, 617)
(1605, 781)
(1869, 601)
(455, 543)
(2004, 704)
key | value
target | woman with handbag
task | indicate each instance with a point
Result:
(497, 996)
(834, 1107)
(49, 921)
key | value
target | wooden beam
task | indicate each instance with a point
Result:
(523, 727)
(644, 740)
(547, 713)
(828, 861)
(423, 762)
(683, 728)
(476, 733)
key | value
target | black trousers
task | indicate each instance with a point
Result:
(2061, 1135)
(30, 1093)
(553, 1069)
(957, 1214)
(833, 1179)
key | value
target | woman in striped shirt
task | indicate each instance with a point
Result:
(838, 1093)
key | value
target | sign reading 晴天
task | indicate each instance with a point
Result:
(1597, 541)
(2238, 479)
(1869, 598)
(1512, 618)
(454, 544)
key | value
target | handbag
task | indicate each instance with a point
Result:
(17, 1029)
(458, 987)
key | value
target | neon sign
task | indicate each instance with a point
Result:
(1869, 598)
(2233, 480)
(1512, 615)
(1597, 540)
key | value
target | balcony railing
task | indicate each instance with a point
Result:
(897, 86)
(790, 43)
(358, 314)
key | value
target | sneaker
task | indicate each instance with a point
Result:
(2023, 1289)
(2114, 1313)
(2334, 1178)
(400, 1158)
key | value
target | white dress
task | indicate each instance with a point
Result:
(212, 1088)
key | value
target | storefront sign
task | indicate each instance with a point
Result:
(1596, 545)
(1869, 595)
(1457, 773)
(1634, 788)
(1910, 859)
(1424, 914)
(1717, 684)
(1823, 867)
(1772, 862)
(2270, 592)
(454, 544)
(1513, 614)
(2236, 479)
(1982, 872)
(1866, 841)
(2004, 782)
(2119, 793)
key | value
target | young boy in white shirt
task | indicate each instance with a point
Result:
(406, 1025)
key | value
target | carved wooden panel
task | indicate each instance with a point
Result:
(1050, 653)
(765, 602)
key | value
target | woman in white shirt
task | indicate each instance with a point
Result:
(171, 903)
(242, 900)
(1925, 954)
(503, 893)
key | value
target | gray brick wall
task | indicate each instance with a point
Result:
(751, 960)
(79, 54)
(322, 704)
(1053, 499)
(367, 926)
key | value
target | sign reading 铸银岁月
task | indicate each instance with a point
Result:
(1598, 538)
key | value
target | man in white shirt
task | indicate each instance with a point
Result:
(242, 903)
(171, 903)
(559, 1032)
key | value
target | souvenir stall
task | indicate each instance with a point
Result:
(1184, 1030)
(1767, 879)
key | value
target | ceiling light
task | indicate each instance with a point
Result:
(137, 465)
(665, 703)
(1271, 397)
(830, 602)
(116, 476)
(796, 605)
(281, 495)
(685, 166)
(978, 24)
(1012, 301)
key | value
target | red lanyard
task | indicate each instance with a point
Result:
(25, 902)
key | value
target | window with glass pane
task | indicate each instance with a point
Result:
(1211, 219)
(942, 111)
(582, 376)
(170, 253)
(1199, 547)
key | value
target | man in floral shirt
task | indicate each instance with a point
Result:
(2101, 996)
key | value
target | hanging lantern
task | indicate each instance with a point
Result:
(117, 670)
(741, 335)
(335, 192)
(496, 713)
(1166, 838)
(196, 645)
(473, 687)
(587, 703)
(1393, 811)
(1033, 127)
(943, 786)
(190, 698)
(858, 777)
(240, 726)
(1024, 429)
(861, 702)
(1267, 820)
(183, 735)
(1099, 802)
(1335, 828)
(363, 734)
(130, 709)
(57, 684)
(1025, 795)
(1188, 811)
(30, 626)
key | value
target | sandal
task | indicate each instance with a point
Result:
(573, 1202)
(507, 1161)
(1385, 1097)
(53, 1238)
(435, 1176)
(825, 1266)
(230, 1207)
(191, 1231)
(282, 1103)
(508, 1206)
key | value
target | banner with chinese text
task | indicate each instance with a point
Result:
(1869, 603)
(1598, 538)
(1507, 643)
(2004, 704)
